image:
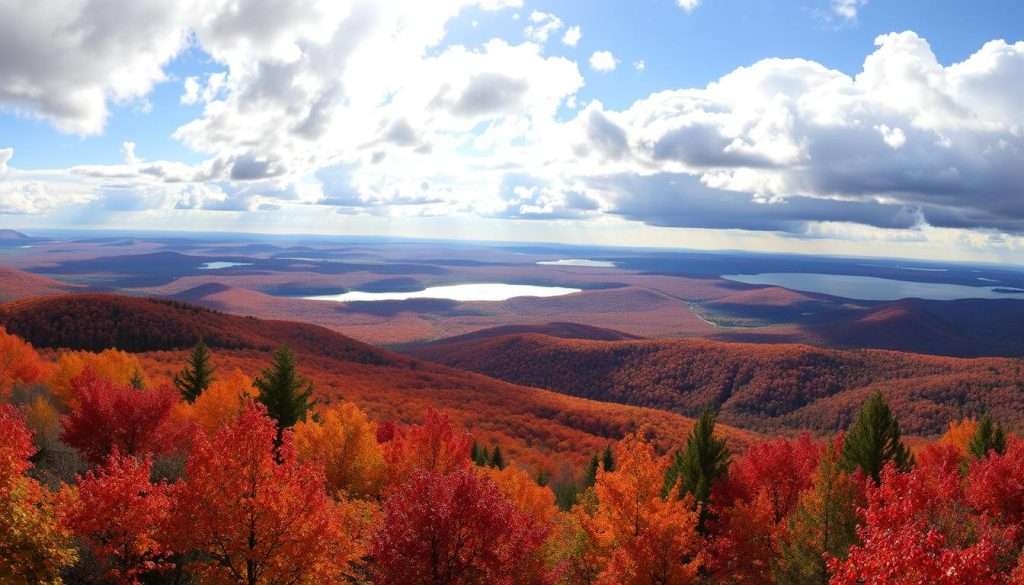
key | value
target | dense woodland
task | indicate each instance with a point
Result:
(767, 387)
(109, 476)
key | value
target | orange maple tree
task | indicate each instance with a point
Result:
(254, 514)
(344, 440)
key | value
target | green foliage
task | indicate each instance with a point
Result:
(989, 436)
(608, 459)
(137, 382)
(823, 525)
(283, 391)
(197, 375)
(590, 473)
(704, 460)
(497, 459)
(874, 440)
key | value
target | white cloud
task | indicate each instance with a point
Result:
(572, 36)
(128, 153)
(688, 5)
(542, 24)
(603, 61)
(640, 65)
(894, 137)
(65, 62)
(848, 9)
(5, 155)
(191, 95)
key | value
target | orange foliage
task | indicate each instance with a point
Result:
(959, 434)
(537, 502)
(256, 515)
(344, 441)
(642, 538)
(110, 365)
(219, 404)
(19, 363)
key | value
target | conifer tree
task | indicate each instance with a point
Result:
(137, 382)
(608, 459)
(704, 459)
(283, 391)
(474, 453)
(989, 436)
(197, 375)
(874, 440)
(823, 526)
(590, 474)
(497, 459)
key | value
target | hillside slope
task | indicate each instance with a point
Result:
(17, 284)
(759, 386)
(536, 427)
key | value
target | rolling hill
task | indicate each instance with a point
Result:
(536, 427)
(17, 284)
(766, 387)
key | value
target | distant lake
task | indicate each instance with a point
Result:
(578, 262)
(870, 288)
(220, 265)
(455, 292)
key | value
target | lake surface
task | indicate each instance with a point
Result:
(220, 265)
(870, 288)
(578, 262)
(456, 292)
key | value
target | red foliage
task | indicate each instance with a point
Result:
(995, 487)
(458, 529)
(256, 515)
(114, 418)
(436, 445)
(781, 468)
(917, 529)
(15, 446)
(119, 514)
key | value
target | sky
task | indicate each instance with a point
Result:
(855, 127)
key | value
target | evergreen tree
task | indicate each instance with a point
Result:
(497, 460)
(608, 459)
(283, 391)
(989, 436)
(197, 375)
(823, 525)
(590, 474)
(704, 460)
(137, 382)
(475, 455)
(874, 440)
(566, 492)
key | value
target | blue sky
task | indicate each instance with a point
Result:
(836, 136)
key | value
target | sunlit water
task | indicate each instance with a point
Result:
(871, 288)
(221, 265)
(578, 262)
(455, 292)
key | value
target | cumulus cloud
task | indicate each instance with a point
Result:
(572, 36)
(905, 133)
(542, 25)
(65, 62)
(603, 61)
(640, 65)
(5, 155)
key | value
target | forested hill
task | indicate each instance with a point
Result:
(760, 386)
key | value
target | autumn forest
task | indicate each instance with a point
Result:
(111, 474)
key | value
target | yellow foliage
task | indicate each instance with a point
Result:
(111, 364)
(220, 403)
(42, 419)
(344, 441)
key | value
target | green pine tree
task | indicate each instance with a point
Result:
(874, 440)
(474, 453)
(608, 459)
(703, 460)
(590, 473)
(197, 375)
(989, 436)
(283, 391)
(824, 524)
(137, 382)
(497, 459)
